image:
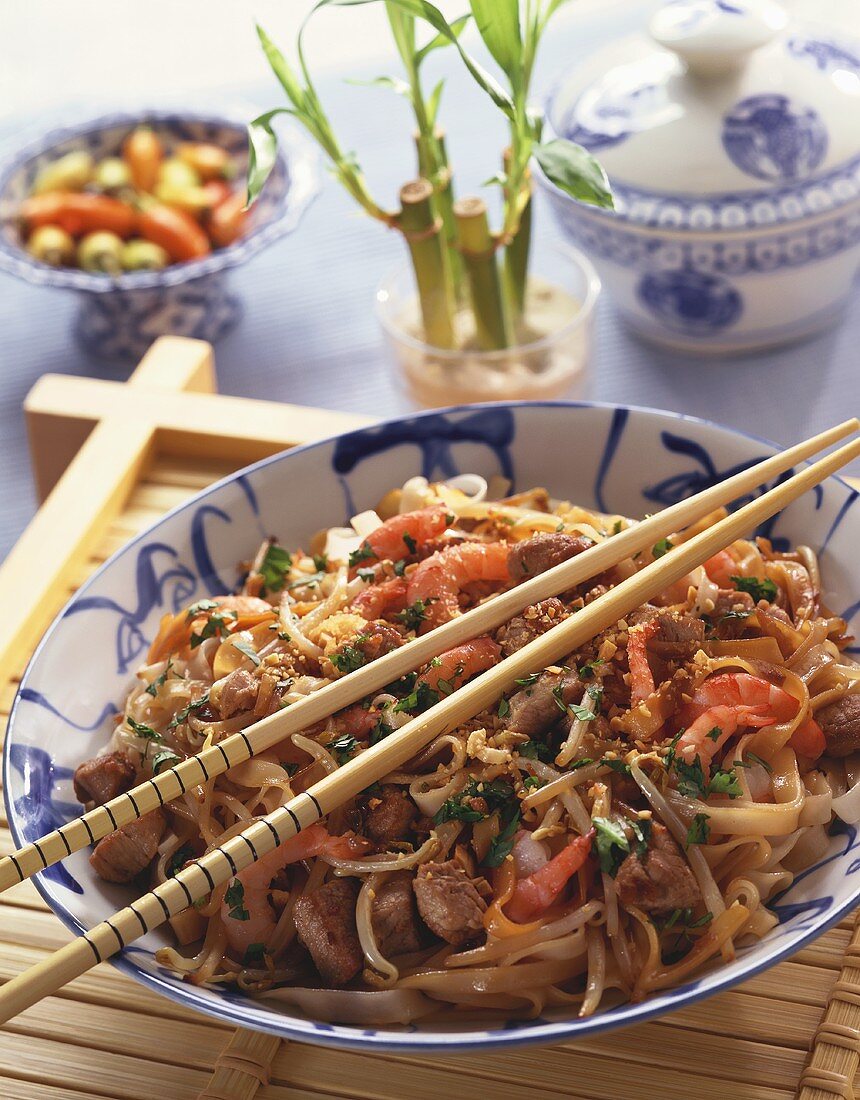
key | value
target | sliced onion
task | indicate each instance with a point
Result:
(365, 523)
(471, 485)
(847, 806)
(529, 854)
(414, 495)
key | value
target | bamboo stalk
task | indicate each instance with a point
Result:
(433, 166)
(517, 251)
(225, 861)
(479, 257)
(421, 228)
(233, 750)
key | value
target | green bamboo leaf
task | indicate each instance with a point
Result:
(281, 68)
(433, 102)
(575, 171)
(262, 151)
(440, 40)
(423, 9)
(403, 29)
(393, 82)
(498, 23)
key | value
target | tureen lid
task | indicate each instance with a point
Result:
(727, 115)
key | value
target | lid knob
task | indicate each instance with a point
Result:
(716, 36)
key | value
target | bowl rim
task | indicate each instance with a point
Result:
(305, 1029)
(296, 155)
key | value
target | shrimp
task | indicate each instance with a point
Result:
(400, 536)
(452, 668)
(439, 579)
(535, 894)
(245, 910)
(721, 568)
(726, 703)
(641, 677)
(380, 599)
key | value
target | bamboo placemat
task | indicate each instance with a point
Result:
(105, 1036)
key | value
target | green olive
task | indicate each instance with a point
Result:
(70, 173)
(101, 252)
(112, 174)
(143, 256)
(176, 173)
(51, 245)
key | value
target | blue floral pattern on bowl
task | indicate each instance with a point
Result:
(771, 137)
(121, 317)
(615, 458)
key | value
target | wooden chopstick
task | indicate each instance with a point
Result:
(224, 862)
(172, 782)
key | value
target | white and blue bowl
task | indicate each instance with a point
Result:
(613, 458)
(732, 147)
(121, 316)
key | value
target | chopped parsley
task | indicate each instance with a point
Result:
(587, 671)
(164, 758)
(419, 700)
(532, 781)
(583, 713)
(216, 626)
(692, 781)
(181, 715)
(699, 830)
(307, 580)
(159, 681)
(343, 747)
(496, 794)
(612, 844)
(536, 750)
(178, 860)
(504, 708)
(200, 608)
(320, 562)
(414, 615)
(368, 575)
(363, 553)
(683, 918)
(255, 955)
(349, 657)
(399, 567)
(527, 681)
(723, 782)
(754, 758)
(661, 547)
(715, 733)
(616, 765)
(447, 686)
(501, 845)
(235, 899)
(759, 590)
(670, 755)
(248, 651)
(276, 564)
(380, 731)
(616, 527)
(142, 730)
(409, 542)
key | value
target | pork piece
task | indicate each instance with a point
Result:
(542, 552)
(103, 778)
(395, 918)
(325, 922)
(727, 605)
(840, 722)
(662, 881)
(389, 816)
(377, 639)
(536, 708)
(122, 855)
(678, 637)
(449, 902)
(534, 621)
(238, 693)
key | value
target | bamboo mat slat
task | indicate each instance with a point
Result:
(106, 1037)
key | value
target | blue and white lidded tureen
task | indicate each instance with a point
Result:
(732, 141)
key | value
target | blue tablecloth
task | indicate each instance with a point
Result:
(308, 334)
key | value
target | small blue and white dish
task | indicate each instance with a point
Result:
(731, 142)
(617, 459)
(120, 317)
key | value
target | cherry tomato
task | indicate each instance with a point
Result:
(79, 213)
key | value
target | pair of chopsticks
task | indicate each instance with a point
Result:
(224, 862)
